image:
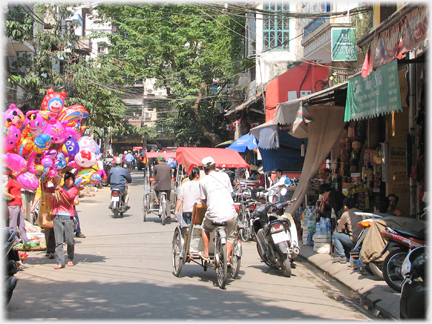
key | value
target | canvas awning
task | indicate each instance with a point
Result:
(257, 100)
(166, 155)
(286, 112)
(405, 30)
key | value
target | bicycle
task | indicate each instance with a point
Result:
(163, 206)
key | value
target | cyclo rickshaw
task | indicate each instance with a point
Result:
(149, 198)
(187, 240)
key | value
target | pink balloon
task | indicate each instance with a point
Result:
(15, 162)
(52, 173)
(11, 136)
(28, 181)
(47, 162)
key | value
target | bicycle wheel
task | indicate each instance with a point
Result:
(163, 203)
(245, 231)
(177, 261)
(221, 267)
(235, 262)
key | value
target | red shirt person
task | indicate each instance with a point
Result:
(12, 190)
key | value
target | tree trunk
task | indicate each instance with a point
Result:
(193, 111)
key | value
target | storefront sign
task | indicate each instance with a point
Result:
(343, 44)
(377, 94)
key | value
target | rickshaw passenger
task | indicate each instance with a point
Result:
(215, 191)
(163, 173)
(189, 194)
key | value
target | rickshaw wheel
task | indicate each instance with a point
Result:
(221, 262)
(176, 259)
(145, 208)
(235, 263)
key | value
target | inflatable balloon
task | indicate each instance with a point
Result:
(6, 170)
(85, 158)
(52, 173)
(47, 162)
(42, 142)
(36, 121)
(70, 148)
(28, 181)
(102, 174)
(15, 162)
(11, 136)
(53, 102)
(24, 146)
(89, 143)
(73, 113)
(73, 131)
(56, 130)
(14, 116)
(51, 154)
(86, 176)
(39, 169)
(60, 161)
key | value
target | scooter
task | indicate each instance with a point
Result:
(414, 294)
(11, 239)
(275, 240)
(399, 243)
(117, 204)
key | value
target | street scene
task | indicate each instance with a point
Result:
(207, 161)
(123, 270)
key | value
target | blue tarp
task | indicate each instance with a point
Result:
(287, 157)
(247, 141)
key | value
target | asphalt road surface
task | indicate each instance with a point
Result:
(123, 271)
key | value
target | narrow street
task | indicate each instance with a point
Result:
(123, 271)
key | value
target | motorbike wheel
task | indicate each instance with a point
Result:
(392, 269)
(261, 253)
(220, 255)
(115, 212)
(375, 269)
(235, 262)
(246, 231)
(286, 266)
(176, 250)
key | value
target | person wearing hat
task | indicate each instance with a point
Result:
(215, 192)
(163, 173)
(118, 178)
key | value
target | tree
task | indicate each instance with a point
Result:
(185, 47)
(55, 63)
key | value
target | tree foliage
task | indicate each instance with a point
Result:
(185, 47)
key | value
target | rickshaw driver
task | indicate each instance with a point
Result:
(163, 174)
(215, 191)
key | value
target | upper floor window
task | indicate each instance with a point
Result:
(275, 27)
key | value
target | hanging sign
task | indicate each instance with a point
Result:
(343, 44)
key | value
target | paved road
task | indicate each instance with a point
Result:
(123, 271)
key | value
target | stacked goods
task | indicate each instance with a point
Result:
(304, 224)
(43, 142)
(322, 237)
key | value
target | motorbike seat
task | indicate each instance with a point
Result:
(219, 223)
(417, 235)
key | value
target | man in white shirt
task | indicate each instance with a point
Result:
(215, 192)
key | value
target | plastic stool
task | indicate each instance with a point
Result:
(354, 259)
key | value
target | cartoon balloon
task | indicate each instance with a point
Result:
(51, 154)
(70, 148)
(56, 130)
(60, 161)
(47, 162)
(28, 180)
(85, 158)
(89, 143)
(73, 113)
(53, 102)
(24, 146)
(11, 136)
(42, 142)
(15, 162)
(36, 121)
(86, 176)
(74, 130)
(52, 173)
(14, 116)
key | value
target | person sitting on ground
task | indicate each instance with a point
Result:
(347, 230)
(118, 178)
(163, 174)
(215, 192)
(189, 194)
(392, 205)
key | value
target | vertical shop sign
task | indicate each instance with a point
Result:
(343, 44)
(377, 94)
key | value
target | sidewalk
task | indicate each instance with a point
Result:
(372, 290)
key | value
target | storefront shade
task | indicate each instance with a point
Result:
(245, 142)
(377, 94)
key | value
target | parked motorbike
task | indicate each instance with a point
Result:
(414, 294)
(117, 205)
(399, 243)
(275, 236)
(245, 219)
(10, 240)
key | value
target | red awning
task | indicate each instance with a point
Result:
(166, 155)
(136, 148)
(192, 156)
